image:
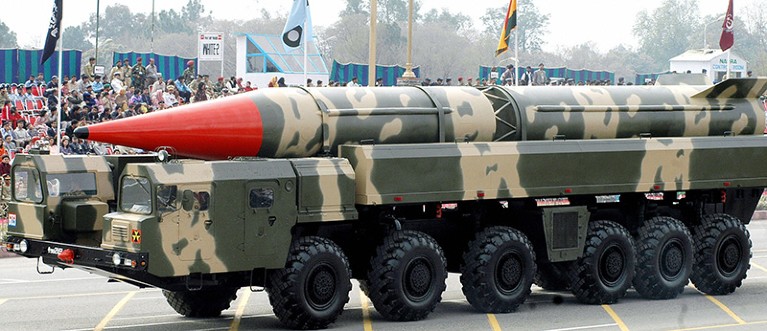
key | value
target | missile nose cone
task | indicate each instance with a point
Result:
(210, 130)
(81, 132)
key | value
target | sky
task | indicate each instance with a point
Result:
(607, 23)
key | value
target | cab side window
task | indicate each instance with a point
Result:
(261, 198)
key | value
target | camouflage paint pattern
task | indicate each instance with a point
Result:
(475, 171)
(33, 219)
(299, 122)
(229, 231)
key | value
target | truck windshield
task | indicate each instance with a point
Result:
(71, 184)
(26, 185)
(135, 196)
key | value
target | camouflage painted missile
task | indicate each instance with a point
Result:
(298, 122)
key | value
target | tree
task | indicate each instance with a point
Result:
(668, 30)
(532, 25)
(75, 37)
(456, 22)
(7, 37)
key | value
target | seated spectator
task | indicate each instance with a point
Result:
(5, 166)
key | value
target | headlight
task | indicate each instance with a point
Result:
(23, 246)
(116, 259)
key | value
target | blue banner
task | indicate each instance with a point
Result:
(344, 72)
(28, 63)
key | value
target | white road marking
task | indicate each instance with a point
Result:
(585, 327)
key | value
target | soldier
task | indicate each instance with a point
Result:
(138, 74)
(127, 73)
(89, 68)
(188, 74)
(118, 67)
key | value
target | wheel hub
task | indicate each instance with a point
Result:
(612, 265)
(418, 278)
(672, 260)
(322, 286)
(508, 272)
(730, 254)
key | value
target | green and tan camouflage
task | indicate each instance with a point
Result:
(353, 165)
(303, 122)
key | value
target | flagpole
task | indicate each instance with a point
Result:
(306, 49)
(728, 64)
(516, 56)
(61, 60)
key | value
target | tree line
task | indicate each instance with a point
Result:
(446, 44)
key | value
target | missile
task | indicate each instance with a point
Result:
(300, 122)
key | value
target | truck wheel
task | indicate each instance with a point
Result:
(664, 258)
(312, 289)
(407, 276)
(207, 302)
(604, 273)
(722, 254)
(498, 270)
(552, 276)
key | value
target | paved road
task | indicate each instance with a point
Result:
(75, 300)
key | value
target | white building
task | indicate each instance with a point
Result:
(262, 57)
(712, 62)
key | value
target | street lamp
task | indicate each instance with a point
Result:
(705, 28)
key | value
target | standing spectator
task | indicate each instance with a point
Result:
(117, 68)
(30, 81)
(151, 73)
(273, 82)
(127, 73)
(138, 74)
(319, 84)
(40, 80)
(379, 82)
(540, 78)
(527, 77)
(90, 67)
(352, 83)
(188, 74)
(281, 82)
(231, 85)
(308, 82)
(507, 78)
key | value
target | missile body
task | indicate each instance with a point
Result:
(298, 122)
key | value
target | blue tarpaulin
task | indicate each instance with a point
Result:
(581, 75)
(19, 64)
(344, 72)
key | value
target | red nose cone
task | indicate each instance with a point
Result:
(210, 130)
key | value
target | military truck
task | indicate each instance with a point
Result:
(626, 186)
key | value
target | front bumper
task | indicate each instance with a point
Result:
(69, 255)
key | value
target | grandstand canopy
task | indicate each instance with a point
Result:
(265, 53)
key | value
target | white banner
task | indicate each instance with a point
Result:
(210, 46)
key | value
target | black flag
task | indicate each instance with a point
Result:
(54, 32)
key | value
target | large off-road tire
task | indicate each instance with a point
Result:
(722, 254)
(207, 302)
(604, 273)
(552, 276)
(664, 258)
(498, 270)
(407, 276)
(312, 289)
